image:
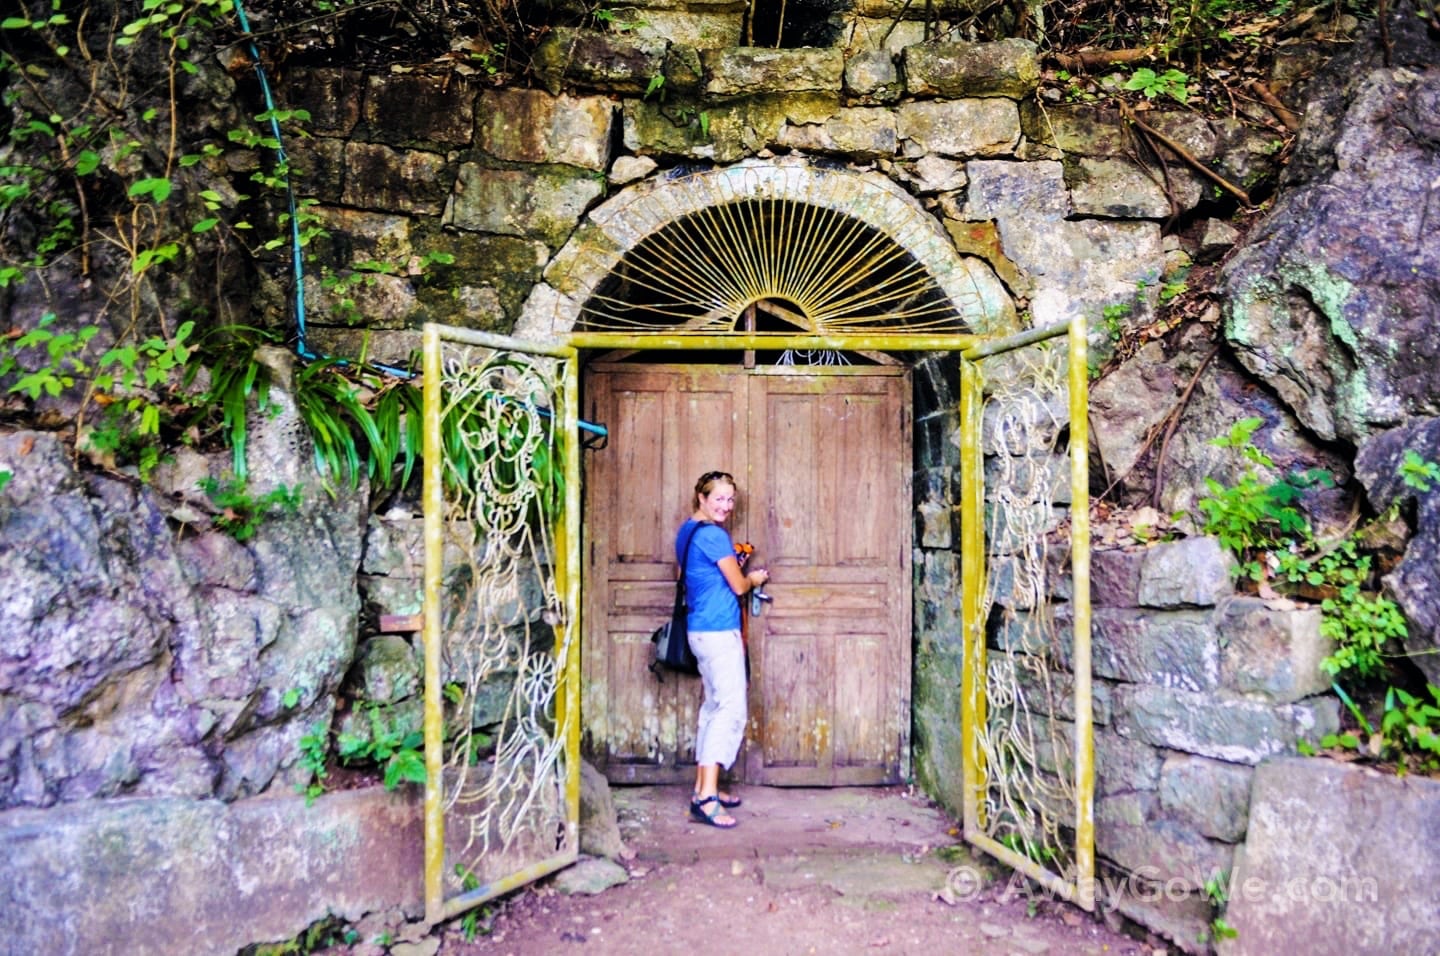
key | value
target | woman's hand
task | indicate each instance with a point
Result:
(757, 577)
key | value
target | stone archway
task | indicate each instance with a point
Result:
(637, 731)
(624, 222)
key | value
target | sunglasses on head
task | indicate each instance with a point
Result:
(716, 475)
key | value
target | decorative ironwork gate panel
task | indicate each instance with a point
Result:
(501, 619)
(1026, 695)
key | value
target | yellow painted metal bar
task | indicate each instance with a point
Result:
(433, 465)
(972, 584)
(567, 572)
(1019, 861)
(762, 340)
(1080, 606)
(1008, 343)
(458, 904)
(972, 346)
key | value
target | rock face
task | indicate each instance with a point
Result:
(1413, 580)
(1332, 299)
(140, 656)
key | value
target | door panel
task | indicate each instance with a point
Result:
(830, 459)
(823, 464)
(667, 426)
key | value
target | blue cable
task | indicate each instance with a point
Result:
(296, 260)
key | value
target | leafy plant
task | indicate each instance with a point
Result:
(240, 512)
(470, 925)
(1409, 730)
(314, 757)
(1360, 623)
(396, 748)
(1217, 893)
(1255, 515)
(1417, 472)
(1171, 83)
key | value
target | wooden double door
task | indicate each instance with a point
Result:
(822, 459)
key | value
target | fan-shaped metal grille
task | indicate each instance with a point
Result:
(835, 273)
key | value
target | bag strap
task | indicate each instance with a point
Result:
(684, 560)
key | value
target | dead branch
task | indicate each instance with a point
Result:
(1086, 60)
(1175, 415)
(1281, 111)
(1185, 155)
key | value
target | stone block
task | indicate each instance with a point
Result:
(542, 203)
(1123, 765)
(1029, 192)
(963, 128)
(876, 26)
(872, 76)
(1005, 68)
(1115, 577)
(415, 107)
(1210, 795)
(745, 71)
(978, 239)
(1192, 572)
(937, 612)
(935, 508)
(1037, 476)
(1179, 915)
(138, 877)
(531, 126)
(1219, 725)
(935, 704)
(612, 61)
(319, 163)
(1338, 859)
(860, 132)
(389, 180)
(1077, 130)
(702, 30)
(1053, 692)
(1131, 830)
(1178, 649)
(1119, 189)
(1273, 650)
(332, 97)
(382, 301)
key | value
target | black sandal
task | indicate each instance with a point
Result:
(699, 815)
(729, 804)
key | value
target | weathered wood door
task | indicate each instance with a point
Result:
(822, 457)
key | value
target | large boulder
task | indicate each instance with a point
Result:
(1414, 582)
(1331, 300)
(143, 652)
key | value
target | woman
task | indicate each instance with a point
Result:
(713, 586)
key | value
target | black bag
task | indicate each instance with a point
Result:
(672, 639)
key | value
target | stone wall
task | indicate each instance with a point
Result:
(1045, 195)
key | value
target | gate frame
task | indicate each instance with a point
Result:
(567, 583)
(973, 348)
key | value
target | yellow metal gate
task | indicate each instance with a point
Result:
(1025, 697)
(501, 615)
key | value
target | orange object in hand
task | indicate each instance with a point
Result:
(743, 550)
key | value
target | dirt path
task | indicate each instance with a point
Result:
(860, 870)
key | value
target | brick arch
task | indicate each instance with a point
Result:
(621, 223)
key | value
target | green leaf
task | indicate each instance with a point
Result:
(404, 765)
(87, 162)
(157, 189)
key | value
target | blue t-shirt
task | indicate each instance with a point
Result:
(713, 606)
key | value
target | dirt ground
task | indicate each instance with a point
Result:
(851, 870)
